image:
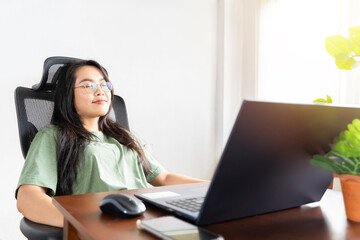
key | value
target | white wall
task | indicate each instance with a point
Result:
(161, 57)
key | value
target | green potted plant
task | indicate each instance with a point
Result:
(344, 162)
(344, 159)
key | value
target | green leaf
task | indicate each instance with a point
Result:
(348, 143)
(322, 100)
(353, 136)
(347, 160)
(345, 63)
(356, 124)
(355, 65)
(328, 99)
(344, 148)
(324, 165)
(329, 164)
(319, 162)
(338, 46)
(354, 36)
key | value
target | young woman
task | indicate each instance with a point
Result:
(83, 150)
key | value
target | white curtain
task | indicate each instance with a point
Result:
(236, 62)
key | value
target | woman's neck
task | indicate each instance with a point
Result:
(92, 124)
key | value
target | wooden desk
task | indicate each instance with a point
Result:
(322, 220)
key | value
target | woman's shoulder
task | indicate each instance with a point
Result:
(49, 131)
(43, 143)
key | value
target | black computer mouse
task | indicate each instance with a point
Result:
(122, 205)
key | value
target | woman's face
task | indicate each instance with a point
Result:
(90, 104)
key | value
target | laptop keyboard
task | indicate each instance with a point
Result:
(190, 204)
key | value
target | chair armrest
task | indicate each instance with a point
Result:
(37, 231)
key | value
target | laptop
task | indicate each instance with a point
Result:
(265, 165)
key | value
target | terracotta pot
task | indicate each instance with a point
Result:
(350, 185)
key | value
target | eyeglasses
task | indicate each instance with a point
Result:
(92, 87)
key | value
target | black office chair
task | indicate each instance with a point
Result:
(34, 108)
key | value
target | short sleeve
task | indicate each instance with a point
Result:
(40, 164)
(155, 167)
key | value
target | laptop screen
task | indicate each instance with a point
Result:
(266, 166)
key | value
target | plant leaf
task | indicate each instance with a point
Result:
(354, 36)
(338, 46)
(356, 124)
(328, 99)
(330, 164)
(322, 100)
(355, 65)
(345, 63)
(323, 164)
(347, 160)
(348, 143)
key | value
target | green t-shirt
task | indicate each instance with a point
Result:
(105, 165)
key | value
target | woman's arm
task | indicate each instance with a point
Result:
(36, 206)
(166, 178)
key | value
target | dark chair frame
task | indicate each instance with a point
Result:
(45, 91)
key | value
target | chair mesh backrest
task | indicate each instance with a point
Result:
(34, 107)
(38, 112)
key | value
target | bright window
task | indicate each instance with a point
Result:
(293, 65)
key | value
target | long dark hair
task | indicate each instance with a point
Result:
(72, 136)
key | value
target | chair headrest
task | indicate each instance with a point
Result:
(52, 66)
